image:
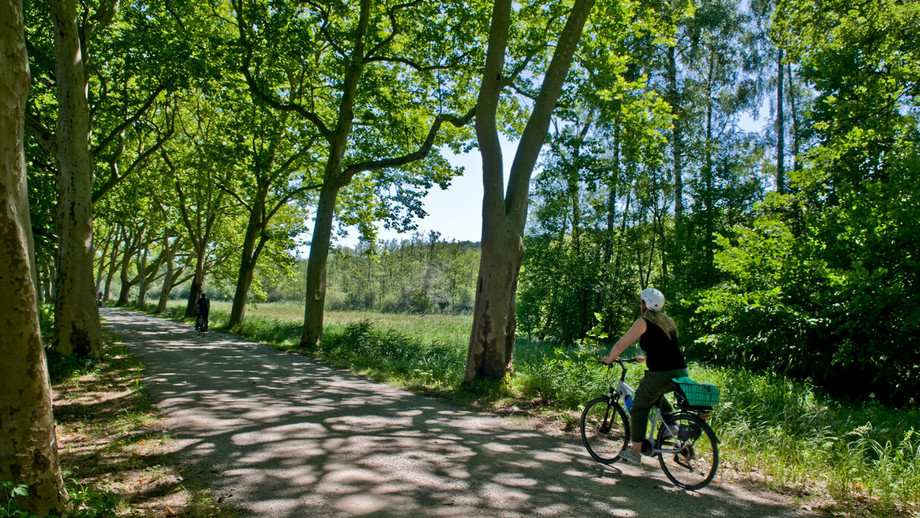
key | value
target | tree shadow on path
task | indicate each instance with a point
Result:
(286, 436)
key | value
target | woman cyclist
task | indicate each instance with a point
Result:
(657, 335)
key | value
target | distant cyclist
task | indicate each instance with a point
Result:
(204, 307)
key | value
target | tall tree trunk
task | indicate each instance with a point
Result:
(200, 235)
(142, 278)
(676, 140)
(28, 451)
(492, 336)
(47, 283)
(194, 291)
(612, 194)
(312, 335)
(795, 121)
(249, 259)
(780, 126)
(102, 259)
(708, 202)
(113, 267)
(77, 327)
(243, 283)
(169, 278)
(617, 260)
(113, 263)
(611, 270)
(492, 341)
(124, 273)
(662, 235)
(575, 190)
(677, 163)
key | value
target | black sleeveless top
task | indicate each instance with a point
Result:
(661, 350)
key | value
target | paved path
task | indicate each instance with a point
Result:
(287, 436)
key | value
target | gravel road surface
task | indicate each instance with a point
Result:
(281, 435)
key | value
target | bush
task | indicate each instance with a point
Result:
(783, 308)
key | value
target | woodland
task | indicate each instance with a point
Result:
(149, 148)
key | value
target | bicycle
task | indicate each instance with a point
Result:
(201, 323)
(686, 446)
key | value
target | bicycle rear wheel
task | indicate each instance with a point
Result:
(604, 429)
(692, 457)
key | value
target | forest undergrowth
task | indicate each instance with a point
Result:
(843, 457)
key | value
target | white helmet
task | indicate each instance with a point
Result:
(654, 299)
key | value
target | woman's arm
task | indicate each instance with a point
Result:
(633, 334)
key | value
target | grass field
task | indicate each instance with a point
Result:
(854, 458)
(448, 329)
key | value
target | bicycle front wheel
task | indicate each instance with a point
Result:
(604, 429)
(690, 459)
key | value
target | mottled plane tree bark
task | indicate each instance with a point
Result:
(77, 330)
(28, 451)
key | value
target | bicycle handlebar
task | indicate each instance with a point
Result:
(621, 362)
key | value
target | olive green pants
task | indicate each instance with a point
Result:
(652, 388)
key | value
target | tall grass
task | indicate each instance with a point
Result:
(786, 430)
(795, 434)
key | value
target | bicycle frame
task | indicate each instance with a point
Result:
(624, 391)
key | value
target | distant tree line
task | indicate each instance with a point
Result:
(421, 274)
(418, 275)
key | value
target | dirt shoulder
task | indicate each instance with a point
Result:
(280, 435)
(117, 456)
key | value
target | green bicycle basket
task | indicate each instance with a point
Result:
(696, 395)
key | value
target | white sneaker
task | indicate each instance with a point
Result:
(627, 456)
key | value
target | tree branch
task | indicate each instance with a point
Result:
(391, 13)
(44, 136)
(124, 125)
(287, 197)
(324, 28)
(289, 163)
(409, 63)
(105, 14)
(535, 131)
(235, 195)
(419, 154)
(171, 11)
(183, 210)
(138, 162)
(41, 58)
